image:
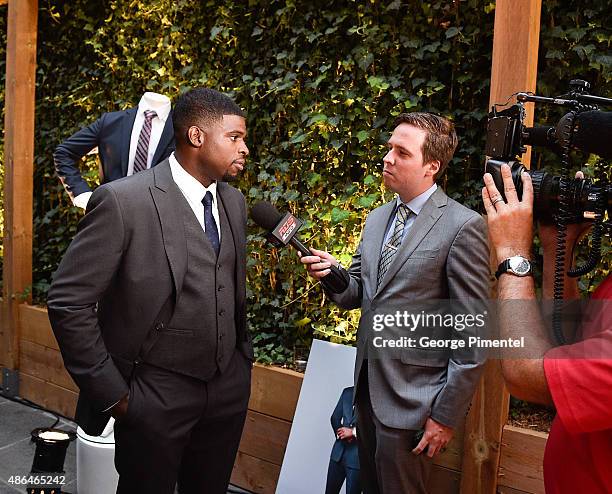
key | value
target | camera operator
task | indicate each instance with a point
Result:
(576, 378)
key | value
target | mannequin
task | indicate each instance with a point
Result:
(116, 135)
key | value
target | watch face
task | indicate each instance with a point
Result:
(520, 265)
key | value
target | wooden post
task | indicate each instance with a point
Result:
(514, 69)
(19, 168)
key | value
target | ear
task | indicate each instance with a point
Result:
(433, 167)
(195, 136)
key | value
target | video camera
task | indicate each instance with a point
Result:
(585, 128)
(558, 199)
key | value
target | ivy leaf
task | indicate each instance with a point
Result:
(297, 138)
(362, 135)
(451, 32)
(339, 215)
(214, 32)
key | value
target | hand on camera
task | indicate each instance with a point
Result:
(511, 221)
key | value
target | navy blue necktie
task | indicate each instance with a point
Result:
(209, 222)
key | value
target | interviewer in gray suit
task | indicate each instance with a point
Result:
(148, 307)
(420, 246)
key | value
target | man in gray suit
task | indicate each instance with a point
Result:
(421, 246)
(148, 307)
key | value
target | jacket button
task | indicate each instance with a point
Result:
(221, 312)
(160, 326)
(220, 287)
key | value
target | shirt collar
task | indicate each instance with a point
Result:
(416, 204)
(162, 108)
(189, 185)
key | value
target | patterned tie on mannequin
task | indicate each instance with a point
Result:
(392, 246)
(209, 222)
(142, 149)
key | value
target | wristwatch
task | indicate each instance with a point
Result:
(516, 265)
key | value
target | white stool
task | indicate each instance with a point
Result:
(96, 472)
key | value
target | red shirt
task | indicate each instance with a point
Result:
(578, 456)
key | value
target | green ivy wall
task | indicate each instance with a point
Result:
(321, 82)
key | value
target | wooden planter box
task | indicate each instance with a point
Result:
(274, 396)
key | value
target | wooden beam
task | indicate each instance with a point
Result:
(19, 167)
(514, 68)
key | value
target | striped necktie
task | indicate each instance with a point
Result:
(142, 149)
(392, 246)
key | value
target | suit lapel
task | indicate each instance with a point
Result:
(232, 211)
(127, 123)
(164, 140)
(166, 197)
(423, 223)
(371, 250)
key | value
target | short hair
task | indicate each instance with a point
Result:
(202, 107)
(440, 139)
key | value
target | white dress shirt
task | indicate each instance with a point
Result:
(160, 104)
(194, 192)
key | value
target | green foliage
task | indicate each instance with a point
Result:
(321, 83)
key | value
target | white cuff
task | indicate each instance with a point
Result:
(81, 200)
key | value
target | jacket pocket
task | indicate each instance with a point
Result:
(163, 329)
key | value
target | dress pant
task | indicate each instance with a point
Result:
(337, 472)
(181, 430)
(386, 461)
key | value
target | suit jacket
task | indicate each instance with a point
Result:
(344, 416)
(127, 261)
(444, 255)
(111, 133)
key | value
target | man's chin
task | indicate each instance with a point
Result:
(228, 177)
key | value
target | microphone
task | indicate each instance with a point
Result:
(593, 133)
(282, 230)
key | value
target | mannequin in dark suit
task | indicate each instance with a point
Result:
(149, 308)
(344, 458)
(115, 134)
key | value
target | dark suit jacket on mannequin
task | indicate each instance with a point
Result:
(128, 259)
(111, 133)
(344, 416)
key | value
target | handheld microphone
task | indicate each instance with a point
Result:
(282, 231)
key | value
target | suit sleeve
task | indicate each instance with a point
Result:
(68, 154)
(85, 273)
(468, 273)
(336, 418)
(351, 297)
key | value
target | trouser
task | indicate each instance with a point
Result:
(181, 430)
(386, 461)
(336, 473)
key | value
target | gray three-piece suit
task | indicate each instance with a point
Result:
(141, 303)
